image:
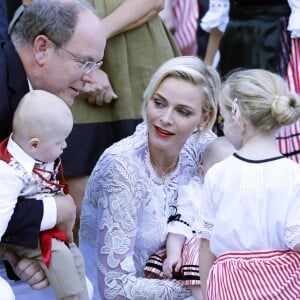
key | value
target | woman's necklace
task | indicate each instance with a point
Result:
(162, 172)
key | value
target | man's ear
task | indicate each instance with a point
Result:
(33, 144)
(41, 44)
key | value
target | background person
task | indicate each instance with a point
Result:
(181, 18)
(275, 27)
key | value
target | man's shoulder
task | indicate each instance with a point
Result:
(13, 85)
(3, 62)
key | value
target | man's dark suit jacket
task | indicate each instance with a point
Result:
(24, 226)
(3, 21)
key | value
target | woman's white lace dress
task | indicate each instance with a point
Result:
(124, 217)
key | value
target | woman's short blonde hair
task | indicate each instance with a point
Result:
(195, 71)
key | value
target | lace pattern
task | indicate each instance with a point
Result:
(130, 205)
(292, 236)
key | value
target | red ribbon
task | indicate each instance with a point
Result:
(46, 242)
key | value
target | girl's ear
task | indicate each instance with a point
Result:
(240, 122)
(33, 144)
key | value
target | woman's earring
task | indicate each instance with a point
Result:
(197, 129)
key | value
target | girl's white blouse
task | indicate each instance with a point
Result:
(251, 206)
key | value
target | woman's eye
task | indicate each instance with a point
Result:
(158, 102)
(184, 112)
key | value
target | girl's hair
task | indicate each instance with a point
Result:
(261, 97)
(195, 71)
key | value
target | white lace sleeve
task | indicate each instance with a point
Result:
(294, 20)
(121, 201)
(292, 236)
(217, 15)
(292, 230)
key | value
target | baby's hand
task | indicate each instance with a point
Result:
(171, 265)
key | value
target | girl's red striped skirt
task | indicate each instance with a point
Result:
(255, 275)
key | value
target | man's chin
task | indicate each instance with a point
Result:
(68, 98)
(70, 101)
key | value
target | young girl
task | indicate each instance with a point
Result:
(251, 203)
(180, 258)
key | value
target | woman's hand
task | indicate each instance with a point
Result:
(28, 270)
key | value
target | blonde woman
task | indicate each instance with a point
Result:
(134, 185)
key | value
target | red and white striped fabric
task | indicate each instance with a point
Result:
(288, 140)
(293, 72)
(189, 274)
(190, 262)
(273, 275)
(288, 137)
(186, 15)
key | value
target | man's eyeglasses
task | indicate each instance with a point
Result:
(86, 66)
